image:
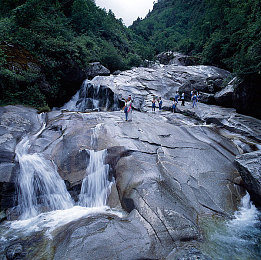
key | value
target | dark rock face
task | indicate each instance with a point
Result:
(96, 69)
(246, 98)
(249, 167)
(242, 94)
(175, 58)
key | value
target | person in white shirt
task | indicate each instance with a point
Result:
(128, 108)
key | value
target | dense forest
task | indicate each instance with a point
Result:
(45, 46)
(225, 33)
(57, 39)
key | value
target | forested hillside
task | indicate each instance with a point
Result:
(45, 45)
(225, 33)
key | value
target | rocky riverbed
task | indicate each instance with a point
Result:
(167, 170)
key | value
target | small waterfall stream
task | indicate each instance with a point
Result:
(238, 238)
(96, 185)
(40, 187)
(93, 97)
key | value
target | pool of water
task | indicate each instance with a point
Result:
(238, 238)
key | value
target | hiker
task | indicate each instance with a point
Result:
(174, 105)
(153, 104)
(160, 103)
(128, 108)
(191, 94)
(183, 99)
(177, 97)
(198, 96)
(194, 100)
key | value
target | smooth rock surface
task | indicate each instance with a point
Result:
(144, 83)
(169, 171)
(249, 167)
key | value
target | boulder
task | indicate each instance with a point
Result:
(175, 58)
(207, 98)
(96, 69)
(225, 96)
(249, 167)
(144, 83)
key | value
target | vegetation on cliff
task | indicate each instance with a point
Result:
(45, 44)
(225, 33)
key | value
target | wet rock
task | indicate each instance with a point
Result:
(168, 171)
(249, 166)
(225, 96)
(85, 236)
(189, 253)
(243, 130)
(15, 252)
(96, 69)
(2, 216)
(207, 98)
(15, 122)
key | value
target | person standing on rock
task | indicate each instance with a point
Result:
(174, 106)
(160, 103)
(153, 104)
(194, 100)
(183, 99)
(128, 108)
(177, 97)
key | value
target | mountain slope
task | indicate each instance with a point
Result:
(225, 33)
(61, 37)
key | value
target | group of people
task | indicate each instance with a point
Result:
(194, 98)
(154, 104)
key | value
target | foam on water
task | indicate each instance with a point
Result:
(238, 238)
(49, 221)
(96, 185)
(40, 187)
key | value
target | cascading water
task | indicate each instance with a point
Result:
(40, 187)
(93, 97)
(96, 185)
(238, 238)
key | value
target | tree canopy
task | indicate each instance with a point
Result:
(225, 33)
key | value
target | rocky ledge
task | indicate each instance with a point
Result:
(169, 170)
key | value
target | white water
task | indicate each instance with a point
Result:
(96, 185)
(40, 187)
(238, 238)
(92, 97)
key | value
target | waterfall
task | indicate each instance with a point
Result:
(96, 185)
(40, 187)
(238, 238)
(93, 97)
